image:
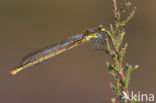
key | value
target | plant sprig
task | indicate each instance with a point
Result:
(115, 48)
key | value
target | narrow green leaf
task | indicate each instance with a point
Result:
(116, 64)
(130, 69)
(110, 35)
(121, 36)
(129, 17)
(107, 44)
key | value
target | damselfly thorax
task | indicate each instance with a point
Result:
(52, 51)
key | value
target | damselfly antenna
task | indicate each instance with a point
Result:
(52, 51)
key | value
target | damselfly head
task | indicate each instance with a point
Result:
(101, 28)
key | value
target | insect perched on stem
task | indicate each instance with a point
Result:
(52, 51)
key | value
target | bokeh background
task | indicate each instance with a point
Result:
(79, 75)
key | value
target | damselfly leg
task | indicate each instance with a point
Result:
(98, 43)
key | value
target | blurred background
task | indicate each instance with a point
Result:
(79, 75)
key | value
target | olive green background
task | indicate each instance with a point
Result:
(79, 75)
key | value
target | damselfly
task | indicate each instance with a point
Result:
(52, 51)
